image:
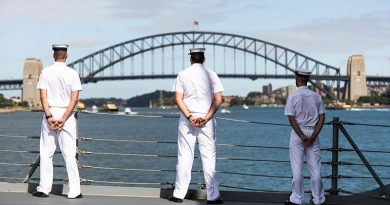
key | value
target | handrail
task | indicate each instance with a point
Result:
(363, 124)
(338, 126)
(361, 156)
(335, 163)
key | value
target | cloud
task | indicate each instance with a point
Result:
(338, 35)
(145, 17)
(211, 15)
(54, 9)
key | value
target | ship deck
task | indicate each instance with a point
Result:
(20, 194)
(27, 199)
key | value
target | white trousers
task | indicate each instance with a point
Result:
(313, 158)
(187, 137)
(67, 142)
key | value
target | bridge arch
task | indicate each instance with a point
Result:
(92, 64)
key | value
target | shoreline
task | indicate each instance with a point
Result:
(7, 110)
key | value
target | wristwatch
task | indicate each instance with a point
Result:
(49, 116)
(189, 116)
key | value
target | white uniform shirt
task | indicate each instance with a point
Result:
(305, 105)
(198, 86)
(59, 80)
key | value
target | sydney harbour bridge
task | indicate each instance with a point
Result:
(231, 56)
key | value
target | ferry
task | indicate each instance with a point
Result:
(80, 105)
(109, 107)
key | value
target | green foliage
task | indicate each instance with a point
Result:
(158, 98)
(375, 99)
(4, 102)
(326, 101)
(236, 101)
(23, 104)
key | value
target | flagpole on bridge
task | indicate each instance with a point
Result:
(195, 25)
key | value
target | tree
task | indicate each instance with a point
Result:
(23, 104)
(4, 102)
(236, 101)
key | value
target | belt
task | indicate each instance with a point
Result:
(58, 106)
(307, 127)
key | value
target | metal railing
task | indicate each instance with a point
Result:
(337, 127)
(335, 163)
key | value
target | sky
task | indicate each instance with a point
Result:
(329, 31)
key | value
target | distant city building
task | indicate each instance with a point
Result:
(290, 89)
(267, 89)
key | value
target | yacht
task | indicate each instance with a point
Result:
(225, 111)
(129, 112)
(94, 109)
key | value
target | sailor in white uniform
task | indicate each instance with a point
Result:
(306, 114)
(198, 96)
(59, 88)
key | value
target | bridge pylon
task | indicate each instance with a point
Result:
(357, 84)
(31, 71)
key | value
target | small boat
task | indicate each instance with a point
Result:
(109, 107)
(129, 112)
(225, 111)
(94, 109)
(245, 106)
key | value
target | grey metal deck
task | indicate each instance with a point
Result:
(26, 199)
(20, 194)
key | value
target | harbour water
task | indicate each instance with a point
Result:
(235, 171)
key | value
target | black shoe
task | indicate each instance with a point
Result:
(217, 201)
(77, 197)
(174, 199)
(288, 202)
(40, 194)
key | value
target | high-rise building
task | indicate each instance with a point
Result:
(267, 89)
(290, 89)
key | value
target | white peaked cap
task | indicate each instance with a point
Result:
(302, 71)
(197, 50)
(63, 47)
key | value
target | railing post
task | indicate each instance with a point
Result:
(364, 160)
(76, 116)
(32, 170)
(335, 156)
